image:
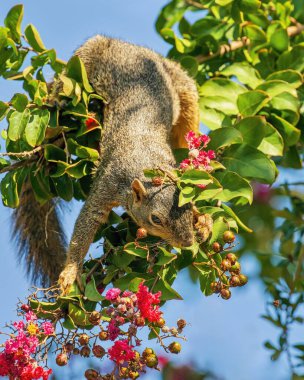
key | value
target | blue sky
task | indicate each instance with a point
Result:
(224, 336)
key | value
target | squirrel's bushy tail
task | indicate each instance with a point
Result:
(38, 233)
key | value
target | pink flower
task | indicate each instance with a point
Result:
(112, 294)
(194, 142)
(19, 325)
(4, 365)
(30, 316)
(121, 352)
(127, 293)
(147, 303)
(113, 330)
(185, 163)
(48, 328)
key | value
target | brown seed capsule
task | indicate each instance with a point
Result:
(62, 360)
(243, 279)
(157, 181)
(83, 339)
(175, 348)
(139, 321)
(151, 361)
(94, 318)
(98, 351)
(235, 268)
(231, 257)
(25, 307)
(234, 281)
(225, 265)
(181, 323)
(225, 294)
(217, 247)
(69, 347)
(276, 303)
(147, 351)
(76, 351)
(85, 351)
(228, 237)
(91, 374)
(160, 323)
(103, 335)
(133, 375)
(141, 233)
(215, 287)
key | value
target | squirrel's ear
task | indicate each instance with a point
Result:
(139, 191)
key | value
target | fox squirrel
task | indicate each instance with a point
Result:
(151, 104)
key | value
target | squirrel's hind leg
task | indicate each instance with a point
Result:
(94, 213)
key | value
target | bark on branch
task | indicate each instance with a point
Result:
(245, 41)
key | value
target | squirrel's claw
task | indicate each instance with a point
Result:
(67, 278)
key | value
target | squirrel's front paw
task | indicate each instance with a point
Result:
(67, 277)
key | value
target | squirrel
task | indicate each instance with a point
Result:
(151, 103)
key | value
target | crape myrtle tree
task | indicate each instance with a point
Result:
(247, 58)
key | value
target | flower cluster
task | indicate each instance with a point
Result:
(17, 359)
(198, 158)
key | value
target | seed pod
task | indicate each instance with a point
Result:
(76, 351)
(225, 294)
(175, 348)
(243, 279)
(232, 258)
(228, 237)
(141, 233)
(157, 181)
(94, 318)
(98, 351)
(217, 247)
(69, 347)
(234, 281)
(147, 351)
(151, 361)
(103, 335)
(83, 339)
(225, 265)
(160, 323)
(133, 375)
(85, 351)
(62, 360)
(235, 268)
(25, 308)
(139, 321)
(181, 323)
(91, 374)
(124, 373)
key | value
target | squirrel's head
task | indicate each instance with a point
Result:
(156, 209)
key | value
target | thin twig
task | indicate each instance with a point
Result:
(17, 165)
(196, 4)
(23, 154)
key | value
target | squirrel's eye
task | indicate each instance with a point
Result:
(155, 220)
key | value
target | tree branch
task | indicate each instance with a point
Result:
(196, 4)
(17, 165)
(23, 154)
(244, 41)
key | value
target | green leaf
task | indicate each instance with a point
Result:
(64, 187)
(136, 250)
(272, 143)
(190, 64)
(35, 129)
(167, 292)
(212, 118)
(249, 5)
(234, 186)
(219, 103)
(68, 87)
(77, 170)
(276, 87)
(78, 315)
(222, 87)
(294, 78)
(164, 257)
(244, 72)
(33, 38)
(286, 101)
(250, 163)
(68, 323)
(82, 151)
(75, 69)
(13, 21)
(41, 186)
(9, 189)
(256, 35)
(19, 102)
(3, 163)
(292, 59)
(251, 102)
(252, 129)
(224, 137)
(3, 110)
(91, 291)
(196, 177)
(206, 277)
(53, 153)
(231, 213)
(289, 133)
(279, 39)
(17, 123)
